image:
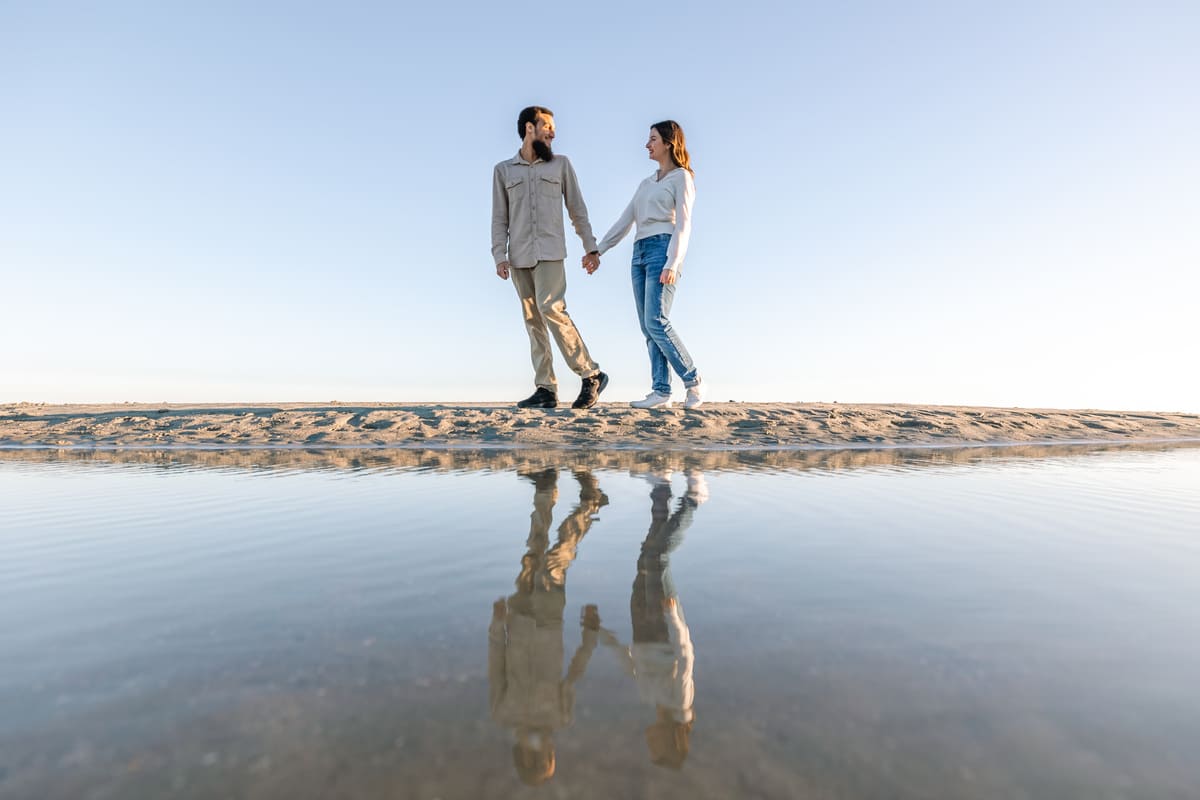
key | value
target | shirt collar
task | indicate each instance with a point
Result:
(517, 159)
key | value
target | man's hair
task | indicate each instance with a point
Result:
(530, 115)
(534, 767)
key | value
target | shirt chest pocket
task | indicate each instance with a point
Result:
(515, 188)
(550, 187)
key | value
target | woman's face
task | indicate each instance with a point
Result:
(655, 146)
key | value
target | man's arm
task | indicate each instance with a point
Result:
(576, 208)
(499, 223)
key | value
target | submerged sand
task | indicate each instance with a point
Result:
(606, 426)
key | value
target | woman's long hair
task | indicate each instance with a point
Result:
(672, 136)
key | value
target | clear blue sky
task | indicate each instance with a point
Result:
(950, 202)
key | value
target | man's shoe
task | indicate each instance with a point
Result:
(653, 400)
(590, 391)
(544, 480)
(542, 398)
(695, 396)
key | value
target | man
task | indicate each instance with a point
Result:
(528, 243)
(527, 691)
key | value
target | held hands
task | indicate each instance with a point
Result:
(591, 262)
(589, 617)
(668, 276)
(502, 270)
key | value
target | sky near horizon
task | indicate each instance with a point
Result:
(928, 202)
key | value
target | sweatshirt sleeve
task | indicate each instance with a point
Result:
(499, 217)
(685, 197)
(618, 231)
(497, 676)
(576, 208)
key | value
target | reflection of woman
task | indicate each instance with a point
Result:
(661, 656)
(527, 690)
(662, 211)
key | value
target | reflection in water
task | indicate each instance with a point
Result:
(343, 460)
(661, 657)
(527, 692)
(971, 624)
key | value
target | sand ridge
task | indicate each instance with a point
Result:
(606, 426)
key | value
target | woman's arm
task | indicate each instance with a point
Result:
(618, 231)
(497, 647)
(684, 200)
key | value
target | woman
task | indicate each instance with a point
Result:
(662, 211)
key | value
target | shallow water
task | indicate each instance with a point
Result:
(1010, 623)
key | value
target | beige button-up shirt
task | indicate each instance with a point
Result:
(527, 220)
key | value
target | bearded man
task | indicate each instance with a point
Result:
(529, 245)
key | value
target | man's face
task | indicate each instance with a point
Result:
(543, 128)
(543, 135)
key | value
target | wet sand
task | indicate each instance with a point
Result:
(606, 426)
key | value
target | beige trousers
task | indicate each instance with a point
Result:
(542, 288)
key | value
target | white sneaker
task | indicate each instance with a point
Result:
(697, 486)
(659, 478)
(653, 400)
(695, 396)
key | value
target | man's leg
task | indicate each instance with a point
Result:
(550, 288)
(545, 493)
(523, 279)
(575, 526)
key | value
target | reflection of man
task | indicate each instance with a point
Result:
(661, 656)
(528, 193)
(525, 640)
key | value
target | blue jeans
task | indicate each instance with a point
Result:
(653, 305)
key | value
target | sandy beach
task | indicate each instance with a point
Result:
(716, 426)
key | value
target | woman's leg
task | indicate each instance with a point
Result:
(660, 375)
(655, 320)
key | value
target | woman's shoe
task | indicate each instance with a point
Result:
(653, 400)
(695, 396)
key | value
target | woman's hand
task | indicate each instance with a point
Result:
(668, 276)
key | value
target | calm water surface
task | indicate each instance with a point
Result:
(395, 624)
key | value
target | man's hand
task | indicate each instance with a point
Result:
(591, 262)
(668, 276)
(502, 270)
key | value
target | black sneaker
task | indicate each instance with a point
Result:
(542, 398)
(543, 480)
(590, 391)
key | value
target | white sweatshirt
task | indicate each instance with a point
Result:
(658, 207)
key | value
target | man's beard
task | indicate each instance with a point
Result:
(542, 150)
